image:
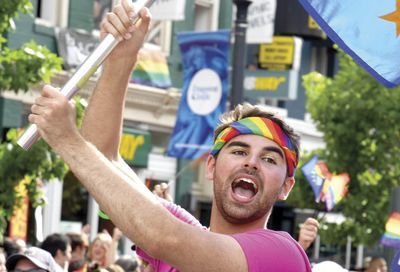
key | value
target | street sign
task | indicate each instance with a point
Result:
(271, 84)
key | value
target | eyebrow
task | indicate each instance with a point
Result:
(267, 148)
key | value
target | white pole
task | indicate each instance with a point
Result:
(317, 245)
(348, 252)
(360, 256)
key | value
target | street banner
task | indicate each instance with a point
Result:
(367, 30)
(313, 171)
(391, 237)
(151, 69)
(205, 86)
(168, 10)
(260, 17)
(19, 220)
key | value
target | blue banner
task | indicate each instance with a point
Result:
(205, 86)
(367, 30)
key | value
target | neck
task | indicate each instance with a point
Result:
(219, 224)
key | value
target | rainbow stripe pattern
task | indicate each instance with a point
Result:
(151, 70)
(263, 127)
(391, 237)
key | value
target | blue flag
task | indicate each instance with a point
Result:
(367, 30)
(313, 172)
(205, 86)
(396, 263)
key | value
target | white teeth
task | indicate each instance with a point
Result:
(248, 181)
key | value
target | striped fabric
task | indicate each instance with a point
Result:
(391, 237)
(151, 69)
(262, 127)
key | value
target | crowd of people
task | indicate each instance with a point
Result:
(70, 252)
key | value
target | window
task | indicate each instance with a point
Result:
(52, 12)
(160, 35)
(206, 15)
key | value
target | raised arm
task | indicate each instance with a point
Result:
(133, 208)
(308, 232)
(103, 119)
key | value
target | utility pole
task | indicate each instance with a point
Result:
(239, 52)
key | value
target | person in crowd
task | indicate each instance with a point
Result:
(103, 249)
(114, 268)
(128, 263)
(12, 246)
(32, 258)
(251, 164)
(79, 246)
(377, 264)
(308, 232)
(328, 266)
(2, 261)
(59, 246)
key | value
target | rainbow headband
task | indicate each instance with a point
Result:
(262, 127)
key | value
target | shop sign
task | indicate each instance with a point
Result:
(19, 219)
(278, 55)
(271, 84)
(135, 147)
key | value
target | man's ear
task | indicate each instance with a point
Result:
(287, 186)
(210, 167)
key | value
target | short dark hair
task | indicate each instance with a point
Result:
(10, 247)
(54, 242)
(128, 263)
(76, 240)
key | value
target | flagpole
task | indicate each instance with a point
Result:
(239, 52)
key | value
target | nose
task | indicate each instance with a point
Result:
(251, 162)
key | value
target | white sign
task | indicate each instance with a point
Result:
(168, 10)
(261, 18)
(205, 92)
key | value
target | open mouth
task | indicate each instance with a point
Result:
(244, 189)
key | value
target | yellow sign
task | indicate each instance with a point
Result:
(19, 220)
(129, 145)
(278, 54)
(312, 24)
(269, 83)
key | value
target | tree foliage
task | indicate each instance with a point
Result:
(30, 64)
(19, 69)
(360, 121)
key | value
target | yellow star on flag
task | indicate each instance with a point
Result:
(394, 17)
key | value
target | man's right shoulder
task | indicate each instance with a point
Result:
(272, 250)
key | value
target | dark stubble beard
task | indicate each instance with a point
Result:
(236, 213)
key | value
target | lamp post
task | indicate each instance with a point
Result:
(239, 52)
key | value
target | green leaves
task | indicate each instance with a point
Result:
(29, 65)
(19, 69)
(11, 9)
(360, 121)
(39, 165)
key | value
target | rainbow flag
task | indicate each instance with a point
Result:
(391, 237)
(334, 190)
(151, 69)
